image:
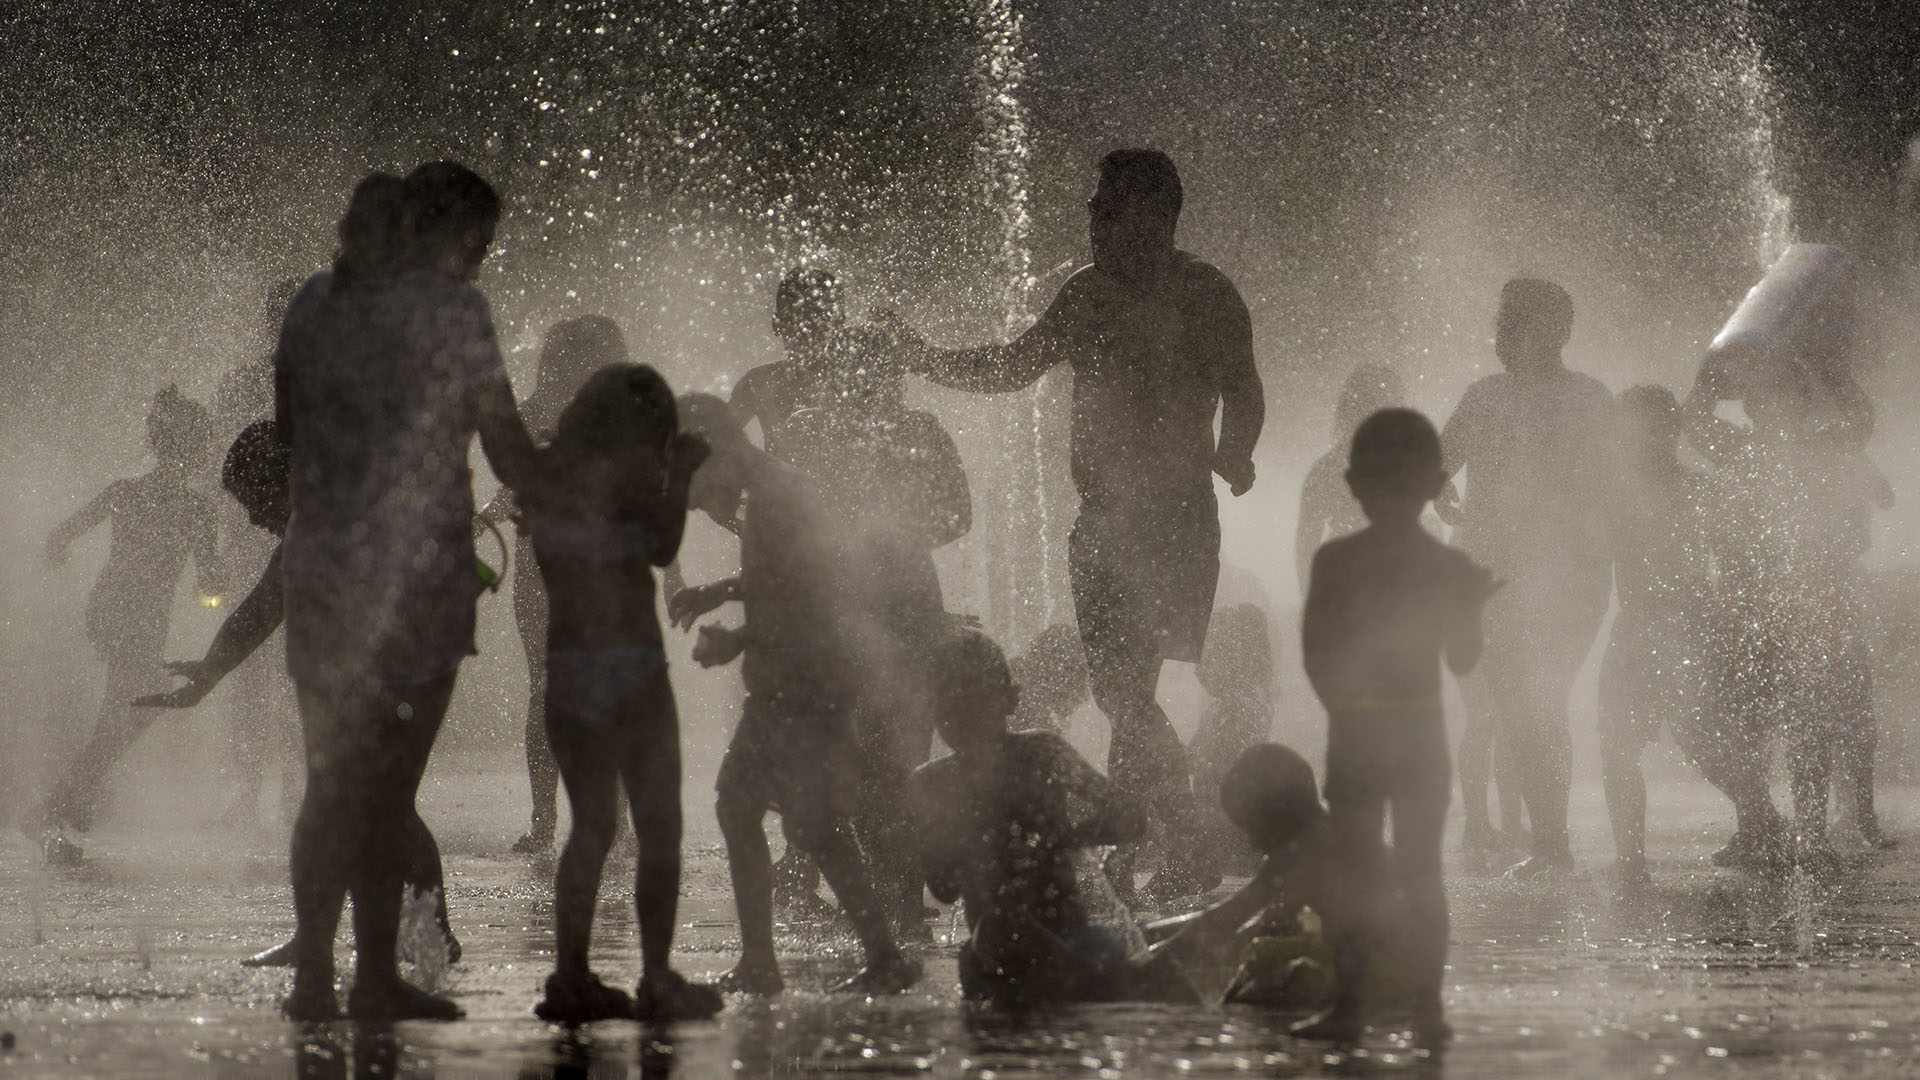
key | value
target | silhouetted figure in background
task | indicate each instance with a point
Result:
(159, 520)
(572, 350)
(892, 480)
(387, 368)
(998, 821)
(1158, 342)
(808, 317)
(1655, 671)
(1533, 440)
(1785, 540)
(1383, 606)
(1237, 672)
(1861, 489)
(1327, 508)
(1052, 677)
(256, 473)
(613, 507)
(794, 749)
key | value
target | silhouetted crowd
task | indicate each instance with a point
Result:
(1741, 620)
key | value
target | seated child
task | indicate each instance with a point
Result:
(998, 821)
(256, 475)
(612, 507)
(1383, 605)
(794, 749)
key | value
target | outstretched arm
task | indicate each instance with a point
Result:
(998, 369)
(1207, 931)
(78, 525)
(503, 435)
(252, 621)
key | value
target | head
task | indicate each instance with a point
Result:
(1238, 659)
(1394, 467)
(1648, 420)
(1534, 325)
(179, 429)
(373, 232)
(721, 481)
(452, 214)
(619, 409)
(1370, 388)
(1270, 795)
(1134, 210)
(973, 692)
(807, 309)
(570, 353)
(258, 473)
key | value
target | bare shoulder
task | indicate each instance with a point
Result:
(1208, 285)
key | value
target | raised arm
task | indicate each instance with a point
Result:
(503, 435)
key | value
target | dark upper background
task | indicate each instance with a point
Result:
(1366, 172)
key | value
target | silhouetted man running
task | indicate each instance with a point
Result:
(1157, 340)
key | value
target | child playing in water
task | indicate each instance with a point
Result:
(256, 475)
(159, 520)
(1656, 661)
(794, 748)
(1327, 509)
(998, 820)
(613, 508)
(1383, 606)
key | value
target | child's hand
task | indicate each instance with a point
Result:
(685, 607)
(186, 696)
(718, 645)
(686, 452)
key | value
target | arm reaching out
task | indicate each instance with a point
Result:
(253, 620)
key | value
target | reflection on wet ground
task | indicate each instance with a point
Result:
(127, 966)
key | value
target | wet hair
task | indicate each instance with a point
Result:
(1146, 176)
(806, 291)
(965, 666)
(372, 233)
(1395, 452)
(178, 428)
(1269, 790)
(258, 469)
(1368, 389)
(447, 194)
(1540, 302)
(571, 352)
(616, 406)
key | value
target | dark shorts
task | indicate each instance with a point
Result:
(799, 758)
(603, 692)
(1138, 592)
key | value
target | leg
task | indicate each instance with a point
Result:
(401, 723)
(1417, 829)
(425, 873)
(543, 777)
(77, 796)
(1476, 763)
(1357, 821)
(815, 828)
(1626, 788)
(322, 849)
(742, 809)
(651, 770)
(591, 771)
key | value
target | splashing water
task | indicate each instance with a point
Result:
(422, 940)
(1757, 99)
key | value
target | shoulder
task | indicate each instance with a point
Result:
(1338, 551)
(1207, 284)
(1326, 469)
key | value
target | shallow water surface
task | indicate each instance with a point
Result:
(126, 965)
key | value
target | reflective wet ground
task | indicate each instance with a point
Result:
(126, 966)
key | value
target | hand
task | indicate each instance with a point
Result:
(186, 696)
(718, 645)
(899, 334)
(964, 620)
(685, 607)
(686, 452)
(1237, 472)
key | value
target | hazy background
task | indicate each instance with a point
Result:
(1368, 177)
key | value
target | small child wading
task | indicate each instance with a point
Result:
(1383, 605)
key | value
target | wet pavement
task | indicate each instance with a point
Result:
(126, 965)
